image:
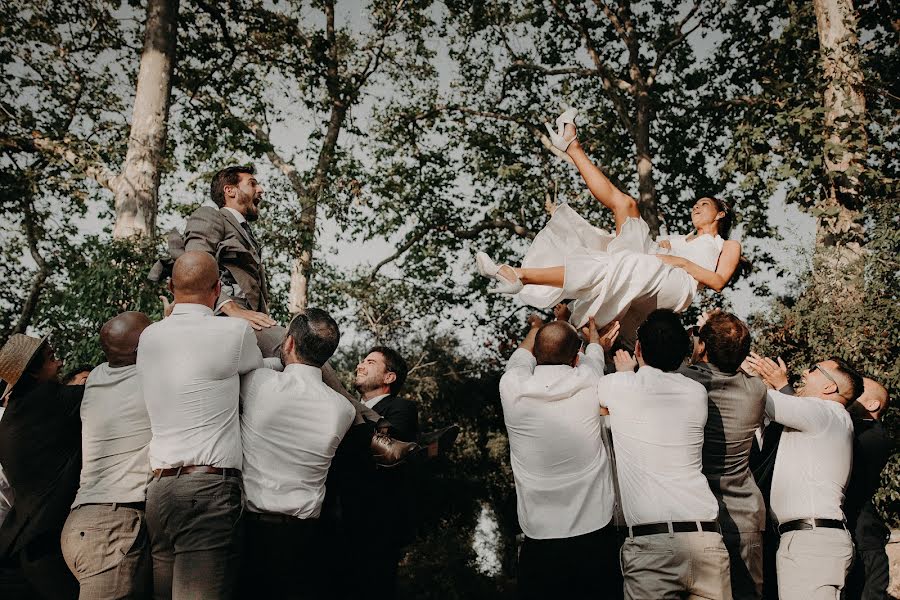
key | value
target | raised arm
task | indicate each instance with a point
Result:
(716, 280)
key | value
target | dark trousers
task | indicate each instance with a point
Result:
(282, 558)
(194, 522)
(869, 576)
(45, 569)
(584, 566)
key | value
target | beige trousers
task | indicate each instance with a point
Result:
(812, 564)
(677, 565)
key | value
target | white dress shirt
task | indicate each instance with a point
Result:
(562, 473)
(6, 493)
(814, 457)
(371, 402)
(291, 425)
(115, 433)
(657, 421)
(190, 365)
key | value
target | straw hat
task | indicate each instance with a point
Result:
(15, 356)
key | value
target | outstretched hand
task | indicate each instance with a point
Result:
(624, 362)
(774, 374)
(167, 306)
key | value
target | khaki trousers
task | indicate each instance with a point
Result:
(106, 548)
(676, 565)
(812, 564)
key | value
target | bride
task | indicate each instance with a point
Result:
(613, 277)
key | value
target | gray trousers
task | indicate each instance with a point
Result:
(675, 565)
(195, 528)
(269, 341)
(106, 549)
(813, 564)
(746, 563)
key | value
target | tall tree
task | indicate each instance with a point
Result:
(137, 188)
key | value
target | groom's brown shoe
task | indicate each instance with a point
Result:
(388, 452)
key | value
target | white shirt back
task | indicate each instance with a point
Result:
(657, 421)
(190, 365)
(291, 426)
(115, 433)
(814, 457)
(562, 473)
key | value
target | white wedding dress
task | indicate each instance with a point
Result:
(614, 277)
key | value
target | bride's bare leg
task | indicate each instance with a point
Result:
(552, 276)
(622, 205)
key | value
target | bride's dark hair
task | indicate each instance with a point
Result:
(745, 267)
(727, 222)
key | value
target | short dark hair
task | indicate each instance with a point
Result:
(393, 363)
(227, 176)
(664, 341)
(316, 336)
(556, 343)
(727, 341)
(851, 376)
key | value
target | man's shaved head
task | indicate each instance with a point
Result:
(119, 337)
(872, 403)
(194, 274)
(556, 343)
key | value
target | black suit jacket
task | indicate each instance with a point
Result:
(403, 416)
(40, 450)
(394, 503)
(871, 451)
(241, 270)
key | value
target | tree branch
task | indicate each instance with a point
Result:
(39, 144)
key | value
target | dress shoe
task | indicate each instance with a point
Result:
(488, 268)
(440, 441)
(388, 452)
(558, 137)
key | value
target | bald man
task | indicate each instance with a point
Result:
(190, 365)
(104, 540)
(869, 576)
(564, 488)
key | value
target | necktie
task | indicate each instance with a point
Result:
(249, 231)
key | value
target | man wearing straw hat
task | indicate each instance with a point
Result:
(40, 450)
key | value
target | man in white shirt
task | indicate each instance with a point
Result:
(564, 488)
(658, 416)
(812, 468)
(104, 540)
(291, 426)
(190, 366)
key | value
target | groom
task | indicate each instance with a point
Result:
(221, 228)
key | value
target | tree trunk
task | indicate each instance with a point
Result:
(840, 228)
(301, 269)
(138, 186)
(644, 159)
(40, 276)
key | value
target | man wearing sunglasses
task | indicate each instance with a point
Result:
(812, 468)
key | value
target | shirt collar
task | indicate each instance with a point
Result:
(371, 402)
(305, 371)
(240, 218)
(186, 308)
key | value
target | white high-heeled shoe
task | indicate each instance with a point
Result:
(558, 137)
(488, 268)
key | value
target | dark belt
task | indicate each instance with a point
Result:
(114, 505)
(276, 518)
(805, 524)
(677, 527)
(196, 469)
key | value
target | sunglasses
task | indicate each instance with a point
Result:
(827, 375)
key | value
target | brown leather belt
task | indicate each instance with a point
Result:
(677, 527)
(227, 472)
(806, 524)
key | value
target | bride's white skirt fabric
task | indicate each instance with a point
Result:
(608, 276)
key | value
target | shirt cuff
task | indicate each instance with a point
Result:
(218, 309)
